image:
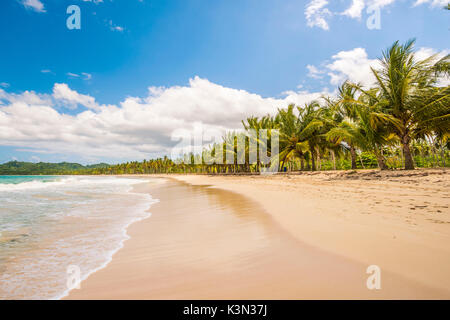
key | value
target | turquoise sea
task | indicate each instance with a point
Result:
(21, 179)
(48, 224)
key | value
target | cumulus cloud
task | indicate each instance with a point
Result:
(35, 5)
(424, 53)
(355, 65)
(314, 72)
(29, 97)
(71, 98)
(317, 11)
(355, 10)
(433, 3)
(316, 14)
(138, 127)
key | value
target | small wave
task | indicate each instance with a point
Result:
(109, 255)
(38, 184)
(87, 218)
(34, 184)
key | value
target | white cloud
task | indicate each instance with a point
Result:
(355, 65)
(355, 10)
(314, 72)
(83, 75)
(138, 127)
(87, 76)
(71, 98)
(433, 3)
(114, 27)
(35, 5)
(316, 14)
(28, 97)
(46, 71)
(35, 159)
(424, 53)
(4, 84)
(379, 3)
(94, 1)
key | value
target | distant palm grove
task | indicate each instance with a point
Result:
(402, 121)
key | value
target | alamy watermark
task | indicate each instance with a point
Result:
(374, 280)
(74, 20)
(373, 22)
(73, 277)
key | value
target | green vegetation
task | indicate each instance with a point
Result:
(41, 168)
(403, 121)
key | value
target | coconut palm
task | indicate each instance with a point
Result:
(291, 146)
(344, 118)
(408, 91)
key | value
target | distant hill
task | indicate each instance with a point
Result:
(43, 168)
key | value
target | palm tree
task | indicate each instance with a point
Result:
(291, 146)
(302, 136)
(256, 124)
(344, 118)
(408, 92)
(368, 128)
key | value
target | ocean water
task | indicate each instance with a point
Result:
(49, 224)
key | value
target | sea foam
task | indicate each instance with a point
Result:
(46, 226)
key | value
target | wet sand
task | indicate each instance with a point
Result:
(215, 243)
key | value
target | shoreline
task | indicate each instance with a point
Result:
(420, 280)
(105, 264)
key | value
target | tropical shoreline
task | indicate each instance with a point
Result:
(318, 219)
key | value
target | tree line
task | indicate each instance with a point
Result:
(401, 121)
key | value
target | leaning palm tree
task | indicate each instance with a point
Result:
(369, 128)
(408, 89)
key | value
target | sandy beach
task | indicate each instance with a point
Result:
(306, 236)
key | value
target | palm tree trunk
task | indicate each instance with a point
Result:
(409, 163)
(381, 162)
(422, 156)
(319, 161)
(443, 154)
(333, 158)
(353, 155)
(280, 168)
(313, 160)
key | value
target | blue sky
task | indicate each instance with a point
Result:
(197, 55)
